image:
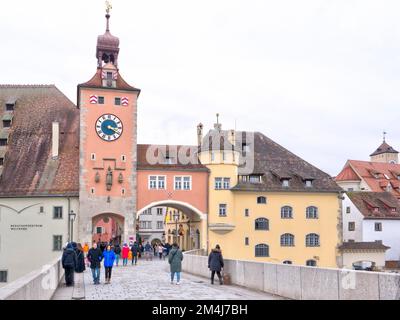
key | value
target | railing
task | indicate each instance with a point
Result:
(37, 285)
(300, 282)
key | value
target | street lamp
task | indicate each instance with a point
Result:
(71, 219)
(176, 218)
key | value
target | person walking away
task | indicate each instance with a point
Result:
(160, 251)
(125, 254)
(117, 251)
(109, 258)
(147, 250)
(68, 261)
(216, 263)
(135, 252)
(165, 252)
(95, 256)
(80, 259)
(175, 258)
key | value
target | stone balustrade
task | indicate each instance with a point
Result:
(301, 282)
(37, 285)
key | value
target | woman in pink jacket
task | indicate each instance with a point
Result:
(125, 254)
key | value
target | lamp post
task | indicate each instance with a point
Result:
(71, 219)
(176, 218)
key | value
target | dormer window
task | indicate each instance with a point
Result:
(3, 142)
(109, 75)
(6, 123)
(309, 183)
(255, 178)
(10, 106)
(376, 209)
(393, 209)
(285, 183)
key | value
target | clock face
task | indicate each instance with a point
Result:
(109, 127)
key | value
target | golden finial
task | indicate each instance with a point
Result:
(108, 7)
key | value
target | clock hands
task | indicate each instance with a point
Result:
(113, 129)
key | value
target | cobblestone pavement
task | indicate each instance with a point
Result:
(150, 280)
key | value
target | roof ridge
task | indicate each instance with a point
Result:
(27, 85)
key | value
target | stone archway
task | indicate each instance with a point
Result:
(108, 227)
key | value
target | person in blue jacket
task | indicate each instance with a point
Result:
(109, 258)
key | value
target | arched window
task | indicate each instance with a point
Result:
(261, 224)
(262, 250)
(312, 240)
(287, 240)
(286, 212)
(312, 212)
(311, 263)
(261, 200)
(287, 262)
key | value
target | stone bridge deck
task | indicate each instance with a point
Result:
(150, 280)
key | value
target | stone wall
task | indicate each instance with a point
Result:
(300, 282)
(37, 285)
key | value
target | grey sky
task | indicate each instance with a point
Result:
(319, 77)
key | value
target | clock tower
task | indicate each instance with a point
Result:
(108, 147)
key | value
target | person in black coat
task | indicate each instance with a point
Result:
(69, 262)
(95, 255)
(216, 263)
(80, 259)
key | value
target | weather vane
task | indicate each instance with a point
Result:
(108, 7)
(384, 135)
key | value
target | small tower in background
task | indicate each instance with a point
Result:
(385, 153)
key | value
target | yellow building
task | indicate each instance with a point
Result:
(268, 205)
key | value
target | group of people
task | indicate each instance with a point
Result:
(73, 259)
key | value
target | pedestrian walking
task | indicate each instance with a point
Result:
(160, 251)
(125, 254)
(109, 258)
(175, 258)
(95, 256)
(147, 251)
(68, 261)
(135, 252)
(117, 251)
(80, 259)
(216, 263)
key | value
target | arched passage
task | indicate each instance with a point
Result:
(108, 227)
(183, 223)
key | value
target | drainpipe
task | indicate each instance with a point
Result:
(208, 211)
(69, 220)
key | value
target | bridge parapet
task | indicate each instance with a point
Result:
(37, 285)
(301, 282)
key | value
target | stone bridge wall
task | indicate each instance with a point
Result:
(302, 283)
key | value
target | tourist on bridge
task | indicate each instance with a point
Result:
(160, 250)
(80, 259)
(148, 251)
(68, 261)
(109, 258)
(125, 254)
(216, 263)
(95, 256)
(135, 252)
(117, 251)
(175, 258)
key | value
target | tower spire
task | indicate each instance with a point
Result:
(384, 136)
(108, 10)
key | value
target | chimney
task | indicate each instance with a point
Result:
(55, 139)
(199, 134)
(232, 137)
(217, 126)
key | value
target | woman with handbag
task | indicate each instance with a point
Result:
(175, 258)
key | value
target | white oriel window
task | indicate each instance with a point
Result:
(157, 182)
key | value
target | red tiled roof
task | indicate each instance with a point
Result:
(384, 201)
(29, 168)
(347, 174)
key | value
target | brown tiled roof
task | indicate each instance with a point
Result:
(385, 201)
(275, 163)
(384, 148)
(97, 81)
(29, 168)
(352, 245)
(151, 157)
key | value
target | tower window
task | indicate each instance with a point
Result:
(6, 123)
(10, 106)
(123, 158)
(109, 75)
(100, 100)
(93, 156)
(117, 101)
(246, 241)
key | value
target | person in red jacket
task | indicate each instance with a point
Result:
(125, 254)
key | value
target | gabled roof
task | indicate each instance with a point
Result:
(29, 168)
(365, 202)
(383, 148)
(373, 245)
(151, 157)
(347, 174)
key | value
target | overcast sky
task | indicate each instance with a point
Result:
(321, 78)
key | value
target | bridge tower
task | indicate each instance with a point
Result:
(108, 147)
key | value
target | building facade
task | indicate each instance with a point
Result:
(151, 225)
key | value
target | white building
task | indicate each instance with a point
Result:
(369, 217)
(152, 223)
